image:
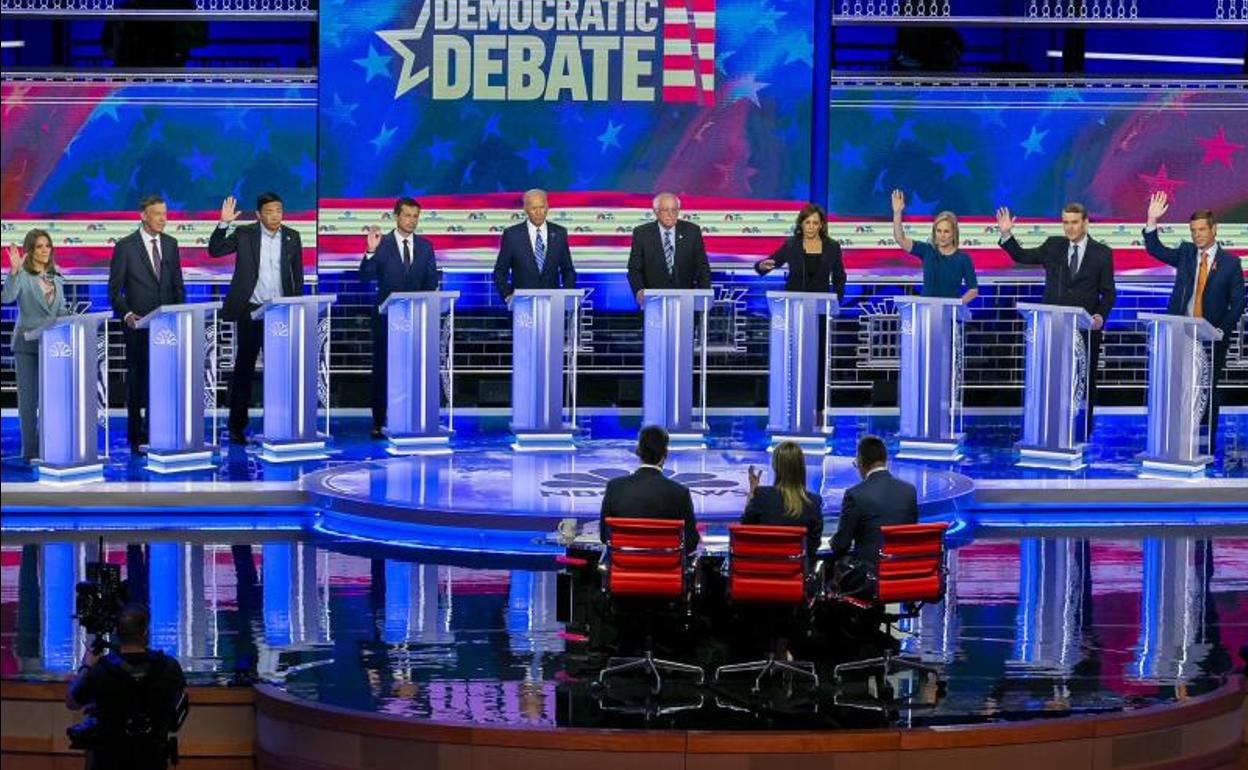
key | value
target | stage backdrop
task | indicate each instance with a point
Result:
(464, 104)
(1033, 149)
(80, 151)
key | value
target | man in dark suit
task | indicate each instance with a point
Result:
(400, 261)
(647, 493)
(879, 500)
(1208, 284)
(667, 253)
(533, 254)
(144, 273)
(1078, 272)
(269, 265)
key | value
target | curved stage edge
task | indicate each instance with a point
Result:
(267, 728)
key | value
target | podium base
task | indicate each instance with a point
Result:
(180, 460)
(1169, 468)
(402, 444)
(1051, 459)
(686, 439)
(544, 441)
(69, 474)
(293, 450)
(811, 443)
(945, 450)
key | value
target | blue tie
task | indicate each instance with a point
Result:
(669, 253)
(539, 251)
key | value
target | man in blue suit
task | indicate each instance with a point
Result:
(400, 261)
(1208, 284)
(144, 273)
(533, 254)
(879, 500)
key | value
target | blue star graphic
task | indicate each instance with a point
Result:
(850, 156)
(156, 132)
(234, 117)
(1033, 142)
(100, 187)
(952, 161)
(374, 64)
(383, 138)
(260, 142)
(746, 88)
(611, 136)
(305, 169)
(133, 182)
(171, 204)
(340, 112)
(237, 189)
(880, 114)
(916, 205)
(465, 178)
(878, 185)
(766, 17)
(439, 151)
(107, 107)
(535, 157)
(199, 164)
(799, 48)
(411, 192)
(720, 59)
(989, 116)
(905, 132)
(491, 127)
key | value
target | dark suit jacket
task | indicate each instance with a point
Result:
(132, 284)
(1092, 288)
(386, 267)
(245, 241)
(647, 267)
(516, 267)
(805, 273)
(767, 507)
(1222, 303)
(879, 500)
(648, 494)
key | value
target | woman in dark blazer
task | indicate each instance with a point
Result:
(787, 503)
(38, 288)
(814, 259)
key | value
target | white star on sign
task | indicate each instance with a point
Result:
(396, 39)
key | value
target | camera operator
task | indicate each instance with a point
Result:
(135, 699)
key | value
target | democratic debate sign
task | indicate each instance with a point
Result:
(552, 50)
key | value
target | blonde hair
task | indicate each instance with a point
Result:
(952, 219)
(789, 465)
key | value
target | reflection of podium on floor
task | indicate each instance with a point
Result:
(70, 387)
(929, 392)
(541, 322)
(1055, 386)
(414, 369)
(794, 357)
(292, 394)
(1180, 393)
(178, 354)
(667, 376)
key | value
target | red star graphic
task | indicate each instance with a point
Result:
(1161, 182)
(1217, 148)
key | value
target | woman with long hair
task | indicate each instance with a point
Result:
(947, 269)
(38, 288)
(787, 502)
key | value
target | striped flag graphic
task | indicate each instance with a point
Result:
(689, 51)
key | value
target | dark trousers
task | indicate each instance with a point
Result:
(1094, 357)
(136, 383)
(380, 379)
(248, 340)
(1220, 350)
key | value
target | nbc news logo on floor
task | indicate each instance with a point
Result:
(578, 50)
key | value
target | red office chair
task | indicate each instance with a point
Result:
(911, 572)
(646, 561)
(767, 566)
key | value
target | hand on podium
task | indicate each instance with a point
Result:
(767, 265)
(1097, 322)
(641, 295)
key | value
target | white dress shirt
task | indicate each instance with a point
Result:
(269, 281)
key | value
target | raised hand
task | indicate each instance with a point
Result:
(899, 201)
(755, 477)
(373, 239)
(1005, 222)
(15, 258)
(229, 209)
(1158, 204)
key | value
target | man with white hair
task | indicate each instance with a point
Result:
(667, 253)
(533, 254)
